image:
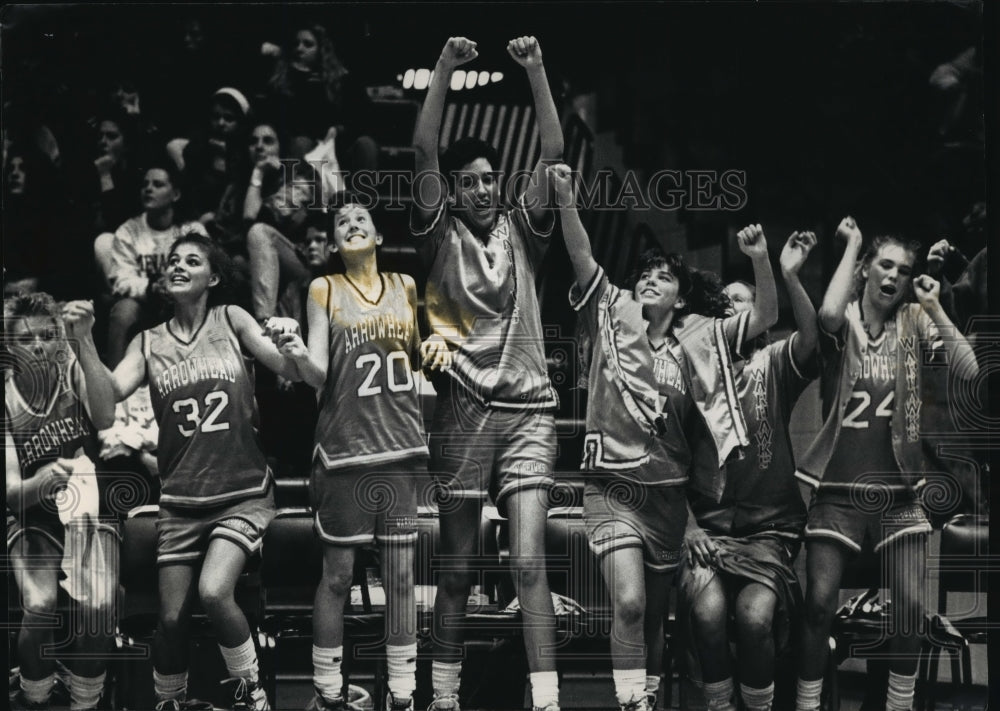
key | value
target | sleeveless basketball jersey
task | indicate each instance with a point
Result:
(671, 458)
(209, 449)
(863, 452)
(369, 410)
(60, 429)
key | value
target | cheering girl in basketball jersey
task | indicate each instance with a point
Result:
(370, 447)
(663, 408)
(50, 419)
(868, 455)
(216, 497)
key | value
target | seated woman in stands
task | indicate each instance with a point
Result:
(209, 158)
(313, 90)
(662, 413)
(134, 257)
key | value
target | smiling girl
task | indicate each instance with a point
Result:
(662, 409)
(370, 445)
(216, 496)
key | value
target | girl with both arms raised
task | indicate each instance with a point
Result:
(662, 409)
(494, 426)
(870, 449)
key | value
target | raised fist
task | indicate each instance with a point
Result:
(796, 251)
(526, 51)
(561, 177)
(848, 230)
(939, 251)
(78, 319)
(928, 292)
(752, 241)
(458, 51)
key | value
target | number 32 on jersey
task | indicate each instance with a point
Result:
(215, 403)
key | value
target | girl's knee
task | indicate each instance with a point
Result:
(338, 583)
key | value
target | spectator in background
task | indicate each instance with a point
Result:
(208, 157)
(277, 212)
(36, 251)
(191, 69)
(133, 257)
(312, 88)
(113, 177)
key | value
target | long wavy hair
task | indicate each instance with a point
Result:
(331, 70)
(702, 291)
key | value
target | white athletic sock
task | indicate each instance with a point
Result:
(170, 686)
(38, 692)
(544, 688)
(630, 684)
(85, 692)
(402, 663)
(807, 695)
(445, 677)
(719, 695)
(326, 671)
(757, 699)
(241, 662)
(900, 696)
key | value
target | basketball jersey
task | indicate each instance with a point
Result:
(369, 407)
(481, 299)
(671, 456)
(761, 492)
(863, 453)
(60, 429)
(209, 450)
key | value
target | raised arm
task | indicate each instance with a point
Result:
(764, 312)
(125, 380)
(793, 256)
(838, 293)
(426, 136)
(528, 53)
(577, 240)
(99, 391)
(960, 354)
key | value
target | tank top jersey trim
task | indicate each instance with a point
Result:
(202, 391)
(369, 408)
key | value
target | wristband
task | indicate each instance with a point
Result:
(256, 182)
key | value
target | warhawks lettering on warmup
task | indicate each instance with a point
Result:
(376, 327)
(51, 437)
(193, 370)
